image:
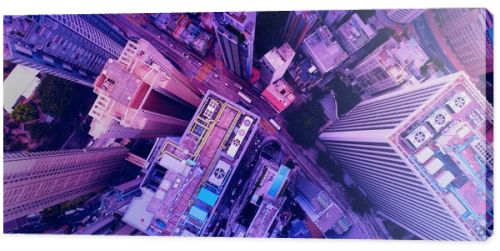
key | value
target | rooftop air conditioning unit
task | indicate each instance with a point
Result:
(219, 173)
(458, 102)
(419, 136)
(439, 119)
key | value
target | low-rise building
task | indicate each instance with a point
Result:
(19, 85)
(279, 95)
(320, 208)
(275, 63)
(267, 197)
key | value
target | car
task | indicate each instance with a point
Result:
(216, 76)
(226, 84)
(238, 86)
(243, 104)
(171, 45)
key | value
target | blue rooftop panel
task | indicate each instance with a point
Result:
(278, 181)
(207, 196)
(198, 213)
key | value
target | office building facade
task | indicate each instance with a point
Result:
(235, 33)
(298, 27)
(423, 156)
(462, 34)
(403, 16)
(73, 47)
(37, 180)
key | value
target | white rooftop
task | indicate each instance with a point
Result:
(21, 82)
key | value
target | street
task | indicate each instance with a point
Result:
(205, 76)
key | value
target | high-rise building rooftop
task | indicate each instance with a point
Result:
(235, 35)
(183, 189)
(326, 53)
(354, 34)
(423, 156)
(141, 95)
(388, 66)
(267, 196)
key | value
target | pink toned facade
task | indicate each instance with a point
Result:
(461, 33)
(141, 95)
(279, 95)
(37, 180)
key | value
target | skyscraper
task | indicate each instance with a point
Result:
(298, 26)
(73, 47)
(403, 15)
(235, 35)
(141, 95)
(462, 35)
(275, 63)
(182, 190)
(423, 156)
(37, 180)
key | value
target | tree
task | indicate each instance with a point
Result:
(365, 14)
(360, 204)
(336, 172)
(24, 113)
(424, 69)
(16, 146)
(316, 93)
(57, 96)
(304, 124)
(290, 164)
(437, 63)
(345, 96)
(39, 130)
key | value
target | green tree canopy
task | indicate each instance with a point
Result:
(337, 173)
(39, 130)
(304, 124)
(24, 113)
(360, 204)
(56, 96)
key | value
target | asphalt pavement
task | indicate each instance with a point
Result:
(227, 84)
